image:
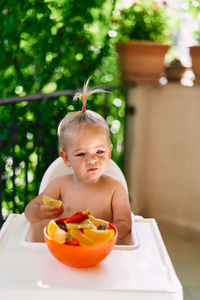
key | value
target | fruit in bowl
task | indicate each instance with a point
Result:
(80, 240)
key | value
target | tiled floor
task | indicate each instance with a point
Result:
(185, 256)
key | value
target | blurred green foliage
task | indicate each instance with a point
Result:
(143, 20)
(47, 46)
(192, 8)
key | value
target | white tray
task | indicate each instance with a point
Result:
(143, 272)
(27, 236)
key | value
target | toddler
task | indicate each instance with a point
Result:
(84, 144)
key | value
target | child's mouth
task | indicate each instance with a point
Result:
(92, 169)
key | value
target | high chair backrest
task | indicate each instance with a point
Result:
(58, 168)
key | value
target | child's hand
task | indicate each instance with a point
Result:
(50, 212)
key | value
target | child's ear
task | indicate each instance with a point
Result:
(65, 158)
(110, 150)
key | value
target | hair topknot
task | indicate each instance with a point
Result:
(75, 119)
(86, 93)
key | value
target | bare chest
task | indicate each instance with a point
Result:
(98, 201)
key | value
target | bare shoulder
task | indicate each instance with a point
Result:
(113, 181)
(58, 182)
(65, 178)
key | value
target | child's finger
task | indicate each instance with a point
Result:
(51, 208)
(51, 212)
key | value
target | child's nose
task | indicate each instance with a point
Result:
(91, 158)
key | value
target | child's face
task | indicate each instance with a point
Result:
(87, 152)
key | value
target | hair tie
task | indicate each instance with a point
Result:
(83, 108)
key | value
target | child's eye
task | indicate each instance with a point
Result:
(80, 154)
(100, 152)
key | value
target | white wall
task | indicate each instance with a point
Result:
(163, 153)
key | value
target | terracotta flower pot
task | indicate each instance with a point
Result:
(141, 61)
(175, 71)
(195, 56)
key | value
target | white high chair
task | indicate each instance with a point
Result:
(58, 168)
(142, 271)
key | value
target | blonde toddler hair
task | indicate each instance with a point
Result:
(86, 117)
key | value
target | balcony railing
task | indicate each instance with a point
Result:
(28, 139)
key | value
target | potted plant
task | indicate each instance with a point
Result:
(195, 57)
(194, 11)
(142, 37)
(174, 71)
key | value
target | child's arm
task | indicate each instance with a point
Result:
(36, 211)
(121, 211)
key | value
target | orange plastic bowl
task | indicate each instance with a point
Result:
(80, 256)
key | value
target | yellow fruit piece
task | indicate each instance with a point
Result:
(55, 233)
(97, 222)
(84, 224)
(48, 201)
(88, 212)
(77, 225)
(83, 240)
(99, 236)
(89, 222)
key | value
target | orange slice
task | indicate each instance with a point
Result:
(84, 224)
(97, 222)
(48, 201)
(99, 236)
(83, 240)
(55, 233)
